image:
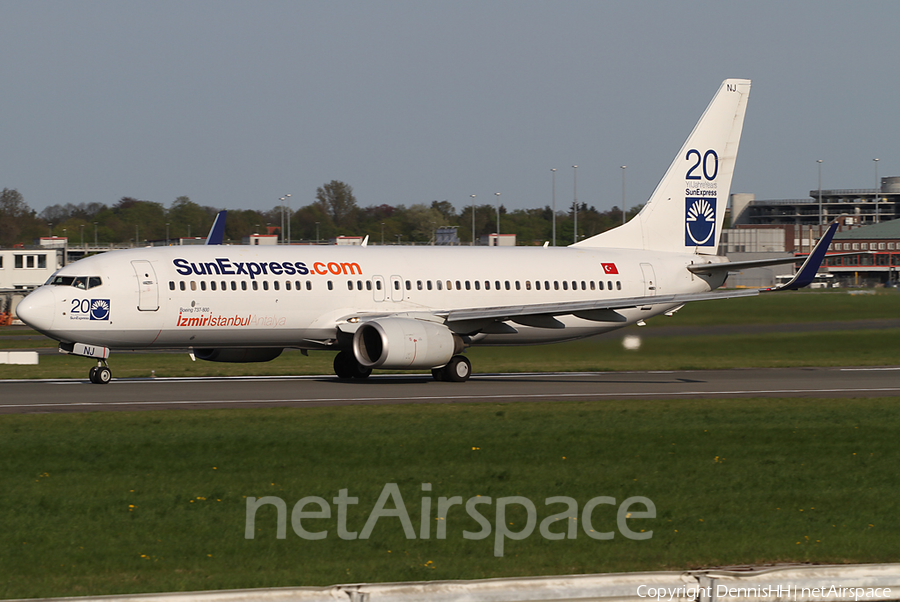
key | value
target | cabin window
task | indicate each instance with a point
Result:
(418, 285)
(556, 284)
(439, 285)
(233, 285)
(80, 282)
(171, 285)
(181, 285)
(396, 285)
(468, 285)
(330, 285)
(275, 285)
(565, 285)
(243, 285)
(518, 286)
(297, 284)
(378, 285)
(309, 285)
(618, 285)
(349, 285)
(203, 285)
(458, 287)
(408, 285)
(368, 285)
(255, 285)
(287, 285)
(212, 285)
(193, 285)
(593, 285)
(477, 285)
(547, 285)
(537, 285)
(506, 283)
(428, 285)
(583, 286)
(528, 285)
(487, 285)
(600, 285)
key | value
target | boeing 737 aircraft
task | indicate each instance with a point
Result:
(413, 307)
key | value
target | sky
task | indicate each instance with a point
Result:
(235, 104)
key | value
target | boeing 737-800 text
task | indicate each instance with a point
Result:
(412, 307)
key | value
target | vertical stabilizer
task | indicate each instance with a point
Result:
(686, 211)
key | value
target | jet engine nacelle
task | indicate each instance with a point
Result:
(238, 356)
(401, 343)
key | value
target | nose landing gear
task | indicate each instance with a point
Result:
(100, 374)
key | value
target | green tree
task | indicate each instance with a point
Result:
(18, 222)
(337, 200)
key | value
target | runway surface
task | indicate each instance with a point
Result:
(52, 396)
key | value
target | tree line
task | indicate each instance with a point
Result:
(333, 212)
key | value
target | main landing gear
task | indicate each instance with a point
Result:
(100, 374)
(346, 366)
(457, 370)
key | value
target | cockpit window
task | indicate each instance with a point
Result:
(82, 282)
(63, 281)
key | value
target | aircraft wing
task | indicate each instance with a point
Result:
(731, 266)
(217, 232)
(511, 312)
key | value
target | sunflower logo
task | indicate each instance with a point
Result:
(99, 309)
(700, 222)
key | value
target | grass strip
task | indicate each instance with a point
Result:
(845, 348)
(103, 503)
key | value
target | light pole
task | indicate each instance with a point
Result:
(82, 235)
(622, 167)
(877, 189)
(95, 234)
(288, 197)
(472, 196)
(553, 171)
(317, 232)
(575, 201)
(821, 217)
(382, 234)
(167, 234)
(497, 240)
(50, 228)
(282, 220)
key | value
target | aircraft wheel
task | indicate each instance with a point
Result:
(437, 373)
(103, 375)
(92, 374)
(342, 367)
(358, 370)
(458, 370)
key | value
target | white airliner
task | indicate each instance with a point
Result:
(412, 307)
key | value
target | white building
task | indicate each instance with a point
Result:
(22, 269)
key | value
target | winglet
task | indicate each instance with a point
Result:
(217, 232)
(810, 267)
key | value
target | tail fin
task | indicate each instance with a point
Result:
(686, 210)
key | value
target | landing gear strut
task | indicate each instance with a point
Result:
(346, 366)
(100, 374)
(457, 370)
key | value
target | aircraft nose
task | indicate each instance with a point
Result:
(37, 309)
